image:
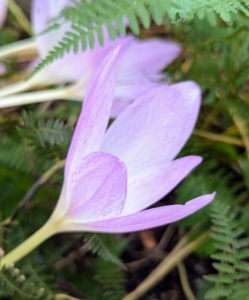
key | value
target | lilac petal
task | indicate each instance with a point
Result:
(72, 66)
(147, 187)
(149, 55)
(135, 85)
(93, 120)
(140, 66)
(155, 127)
(118, 107)
(97, 188)
(3, 11)
(145, 219)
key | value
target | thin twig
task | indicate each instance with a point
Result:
(73, 255)
(20, 16)
(165, 267)
(166, 237)
(219, 137)
(242, 128)
(56, 167)
(184, 281)
(157, 255)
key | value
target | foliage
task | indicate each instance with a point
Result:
(215, 42)
(233, 278)
(93, 19)
(99, 244)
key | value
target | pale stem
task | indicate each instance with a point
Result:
(39, 96)
(25, 47)
(28, 245)
(17, 87)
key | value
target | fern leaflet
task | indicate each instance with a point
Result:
(232, 280)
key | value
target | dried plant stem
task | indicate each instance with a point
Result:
(20, 16)
(219, 137)
(65, 297)
(49, 173)
(166, 266)
(242, 128)
(210, 118)
(184, 281)
(21, 48)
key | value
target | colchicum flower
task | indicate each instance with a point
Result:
(140, 66)
(112, 176)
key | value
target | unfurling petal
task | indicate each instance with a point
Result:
(155, 127)
(149, 55)
(141, 65)
(93, 120)
(97, 188)
(145, 219)
(149, 186)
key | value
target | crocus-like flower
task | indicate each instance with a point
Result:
(112, 176)
(140, 66)
(3, 11)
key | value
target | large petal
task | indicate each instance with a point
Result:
(155, 127)
(93, 120)
(96, 190)
(3, 11)
(149, 186)
(145, 219)
(148, 56)
(135, 85)
(141, 65)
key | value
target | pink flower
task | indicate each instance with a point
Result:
(140, 65)
(3, 11)
(112, 175)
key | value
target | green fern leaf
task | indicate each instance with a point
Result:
(100, 244)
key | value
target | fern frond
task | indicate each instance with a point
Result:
(10, 282)
(91, 19)
(101, 244)
(46, 131)
(111, 280)
(14, 154)
(185, 10)
(232, 267)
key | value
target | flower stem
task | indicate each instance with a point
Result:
(15, 88)
(28, 245)
(21, 48)
(32, 97)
